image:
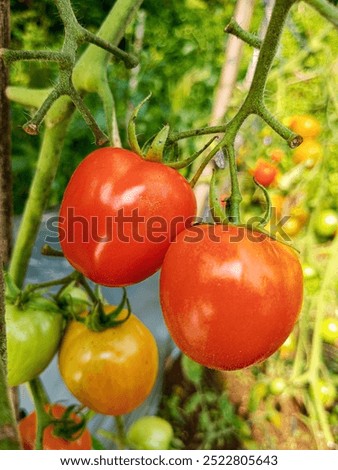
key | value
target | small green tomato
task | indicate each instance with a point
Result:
(329, 330)
(277, 386)
(150, 433)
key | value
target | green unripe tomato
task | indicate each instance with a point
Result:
(326, 223)
(329, 330)
(277, 386)
(327, 392)
(33, 336)
(73, 299)
(309, 272)
(150, 433)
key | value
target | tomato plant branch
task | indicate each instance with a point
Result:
(326, 9)
(121, 432)
(40, 401)
(75, 35)
(57, 120)
(234, 28)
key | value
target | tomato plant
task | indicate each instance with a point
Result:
(33, 336)
(111, 371)
(326, 223)
(224, 309)
(265, 173)
(51, 441)
(130, 211)
(305, 125)
(150, 433)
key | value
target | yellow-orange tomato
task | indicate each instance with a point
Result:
(305, 125)
(292, 226)
(112, 371)
(309, 152)
(300, 213)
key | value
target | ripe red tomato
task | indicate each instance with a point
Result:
(27, 430)
(119, 214)
(112, 371)
(230, 296)
(265, 173)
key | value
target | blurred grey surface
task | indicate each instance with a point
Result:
(144, 300)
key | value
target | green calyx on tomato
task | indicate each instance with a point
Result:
(326, 223)
(220, 269)
(150, 433)
(131, 210)
(111, 371)
(73, 299)
(67, 430)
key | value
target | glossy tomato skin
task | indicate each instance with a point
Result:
(27, 430)
(33, 337)
(229, 303)
(111, 184)
(112, 371)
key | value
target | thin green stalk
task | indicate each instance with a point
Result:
(235, 197)
(40, 401)
(39, 192)
(121, 432)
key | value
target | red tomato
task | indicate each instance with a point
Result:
(230, 296)
(265, 173)
(27, 430)
(119, 214)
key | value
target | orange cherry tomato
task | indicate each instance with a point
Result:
(111, 371)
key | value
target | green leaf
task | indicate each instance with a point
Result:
(156, 149)
(192, 371)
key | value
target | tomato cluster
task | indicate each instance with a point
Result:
(230, 295)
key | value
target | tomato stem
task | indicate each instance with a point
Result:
(40, 399)
(121, 432)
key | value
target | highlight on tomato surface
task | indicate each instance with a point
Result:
(119, 214)
(235, 298)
